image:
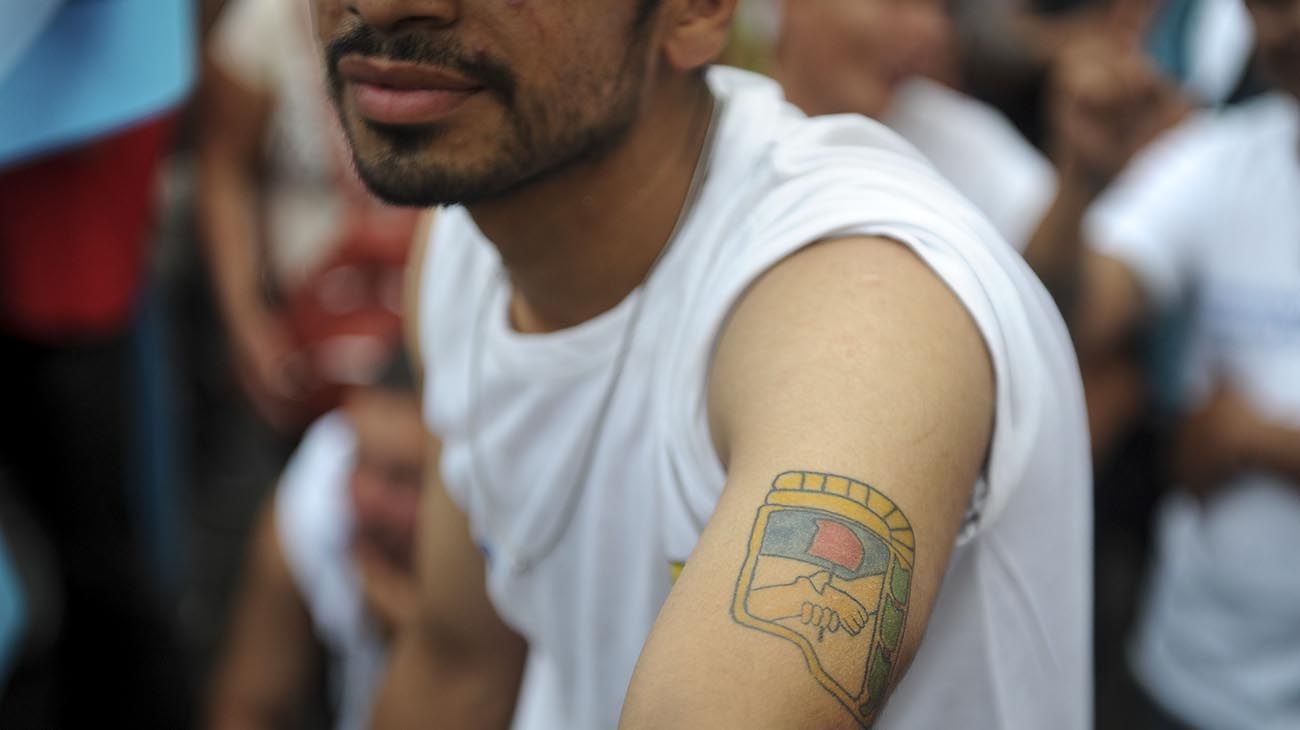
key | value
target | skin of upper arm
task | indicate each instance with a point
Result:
(852, 401)
(456, 660)
(267, 659)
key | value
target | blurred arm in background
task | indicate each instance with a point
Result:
(264, 673)
(1225, 436)
(236, 117)
(454, 664)
(1106, 102)
(1108, 106)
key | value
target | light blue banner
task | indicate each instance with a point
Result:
(21, 21)
(95, 66)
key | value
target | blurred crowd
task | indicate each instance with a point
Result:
(211, 448)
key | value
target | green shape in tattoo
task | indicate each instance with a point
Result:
(891, 624)
(878, 674)
(900, 583)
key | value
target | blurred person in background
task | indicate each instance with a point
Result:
(881, 58)
(1012, 45)
(330, 564)
(304, 270)
(87, 94)
(307, 266)
(1204, 220)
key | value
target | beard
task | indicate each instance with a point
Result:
(543, 133)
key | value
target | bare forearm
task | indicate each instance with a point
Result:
(1055, 252)
(236, 118)
(1276, 450)
(425, 690)
(227, 214)
(260, 680)
(236, 711)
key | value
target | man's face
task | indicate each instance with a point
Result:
(850, 55)
(1277, 32)
(388, 476)
(464, 101)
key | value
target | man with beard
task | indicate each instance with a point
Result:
(667, 317)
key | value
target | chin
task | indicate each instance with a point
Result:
(407, 167)
(418, 183)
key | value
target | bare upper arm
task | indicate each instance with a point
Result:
(452, 574)
(266, 661)
(852, 399)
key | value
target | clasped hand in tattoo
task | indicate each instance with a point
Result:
(812, 600)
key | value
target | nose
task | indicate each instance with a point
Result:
(390, 15)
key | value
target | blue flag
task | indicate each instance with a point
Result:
(93, 67)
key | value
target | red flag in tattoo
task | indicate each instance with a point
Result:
(836, 543)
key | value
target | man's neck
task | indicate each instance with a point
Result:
(576, 244)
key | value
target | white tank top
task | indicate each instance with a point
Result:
(1008, 645)
(315, 521)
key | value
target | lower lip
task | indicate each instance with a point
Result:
(386, 105)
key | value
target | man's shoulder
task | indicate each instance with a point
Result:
(760, 124)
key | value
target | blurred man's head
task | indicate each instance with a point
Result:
(463, 101)
(1277, 33)
(836, 56)
(388, 477)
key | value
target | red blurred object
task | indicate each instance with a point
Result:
(346, 316)
(73, 232)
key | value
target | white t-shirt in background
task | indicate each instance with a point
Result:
(1008, 645)
(977, 149)
(1209, 219)
(314, 520)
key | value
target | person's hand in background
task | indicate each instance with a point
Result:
(1225, 436)
(1107, 99)
(388, 591)
(271, 370)
(1214, 441)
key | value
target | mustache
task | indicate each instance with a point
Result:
(423, 48)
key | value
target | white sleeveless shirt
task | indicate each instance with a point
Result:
(1008, 644)
(314, 519)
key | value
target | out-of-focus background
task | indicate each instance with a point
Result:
(200, 326)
